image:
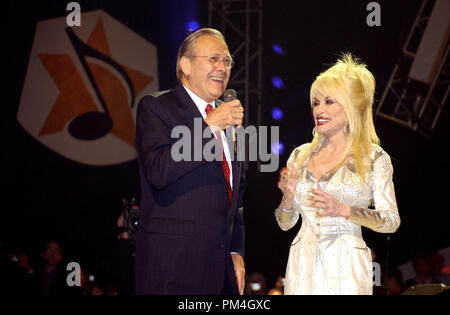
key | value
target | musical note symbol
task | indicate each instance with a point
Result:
(94, 125)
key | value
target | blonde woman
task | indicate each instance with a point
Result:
(331, 182)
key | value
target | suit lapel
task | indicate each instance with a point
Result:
(190, 112)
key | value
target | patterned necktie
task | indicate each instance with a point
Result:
(225, 167)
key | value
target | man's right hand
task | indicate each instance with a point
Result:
(227, 114)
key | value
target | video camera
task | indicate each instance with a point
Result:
(130, 216)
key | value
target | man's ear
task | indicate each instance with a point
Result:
(185, 65)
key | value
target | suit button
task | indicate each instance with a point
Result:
(222, 245)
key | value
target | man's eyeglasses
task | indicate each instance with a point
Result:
(215, 60)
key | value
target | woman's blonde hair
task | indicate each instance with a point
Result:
(353, 86)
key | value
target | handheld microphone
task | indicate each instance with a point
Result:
(228, 96)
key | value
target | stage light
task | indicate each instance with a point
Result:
(277, 113)
(277, 148)
(277, 82)
(278, 49)
(192, 26)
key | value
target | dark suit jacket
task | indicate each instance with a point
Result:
(187, 229)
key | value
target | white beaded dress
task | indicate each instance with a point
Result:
(329, 255)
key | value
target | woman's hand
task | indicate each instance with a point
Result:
(330, 206)
(287, 185)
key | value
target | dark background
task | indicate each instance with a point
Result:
(49, 197)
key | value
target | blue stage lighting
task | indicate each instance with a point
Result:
(277, 82)
(278, 49)
(277, 148)
(277, 113)
(192, 26)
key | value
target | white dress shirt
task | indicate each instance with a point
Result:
(201, 105)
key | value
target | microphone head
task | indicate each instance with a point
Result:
(229, 95)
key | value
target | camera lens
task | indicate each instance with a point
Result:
(134, 219)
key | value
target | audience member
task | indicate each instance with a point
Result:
(278, 288)
(279, 284)
(422, 266)
(437, 265)
(50, 278)
(395, 282)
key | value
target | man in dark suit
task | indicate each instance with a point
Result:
(190, 238)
